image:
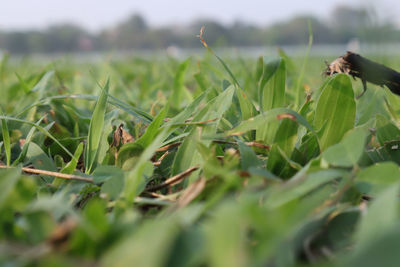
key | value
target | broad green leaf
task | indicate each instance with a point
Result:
(226, 237)
(95, 218)
(299, 187)
(134, 247)
(286, 135)
(9, 179)
(248, 158)
(246, 107)
(336, 110)
(113, 187)
(385, 130)
(272, 95)
(381, 217)
(96, 129)
(112, 179)
(348, 151)
(272, 85)
(381, 251)
(105, 172)
(187, 153)
(40, 160)
(378, 177)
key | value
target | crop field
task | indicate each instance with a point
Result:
(207, 161)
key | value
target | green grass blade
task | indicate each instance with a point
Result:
(176, 98)
(25, 147)
(303, 67)
(96, 129)
(41, 129)
(6, 140)
(270, 115)
(145, 117)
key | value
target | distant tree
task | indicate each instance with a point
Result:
(348, 22)
(295, 31)
(344, 24)
(245, 34)
(64, 37)
(131, 33)
(135, 23)
(17, 42)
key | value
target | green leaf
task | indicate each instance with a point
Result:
(187, 155)
(272, 95)
(301, 185)
(248, 158)
(188, 111)
(286, 135)
(178, 92)
(105, 172)
(41, 129)
(71, 166)
(137, 178)
(336, 110)
(134, 247)
(385, 130)
(113, 187)
(25, 147)
(299, 82)
(348, 151)
(380, 216)
(246, 107)
(378, 177)
(152, 130)
(41, 85)
(9, 179)
(6, 140)
(271, 115)
(227, 237)
(96, 129)
(272, 85)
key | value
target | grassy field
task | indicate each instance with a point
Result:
(201, 162)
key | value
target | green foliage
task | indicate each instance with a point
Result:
(96, 130)
(336, 110)
(196, 164)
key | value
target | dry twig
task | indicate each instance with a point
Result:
(54, 174)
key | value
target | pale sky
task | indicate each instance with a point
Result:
(97, 14)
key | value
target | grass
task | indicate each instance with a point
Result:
(202, 162)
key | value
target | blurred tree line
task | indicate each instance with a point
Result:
(344, 24)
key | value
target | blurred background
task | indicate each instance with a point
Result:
(52, 27)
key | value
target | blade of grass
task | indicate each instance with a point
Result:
(95, 129)
(303, 68)
(6, 140)
(25, 147)
(113, 101)
(41, 129)
(235, 81)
